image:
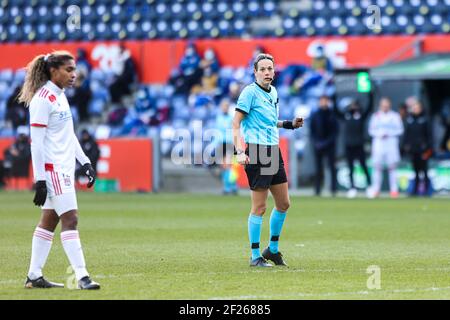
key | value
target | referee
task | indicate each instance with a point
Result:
(257, 112)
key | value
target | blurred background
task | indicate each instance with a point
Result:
(154, 76)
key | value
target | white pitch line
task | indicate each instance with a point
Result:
(328, 294)
(272, 270)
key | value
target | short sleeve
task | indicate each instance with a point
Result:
(245, 101)
(39, 112)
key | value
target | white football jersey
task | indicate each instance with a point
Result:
(385, 128)
(49, 108)
(386, 125)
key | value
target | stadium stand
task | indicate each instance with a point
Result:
(161, 106)
(34, 21)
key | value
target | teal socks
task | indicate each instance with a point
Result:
(276, 224)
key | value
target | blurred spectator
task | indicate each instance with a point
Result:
(354, 119)
(234, 90)
(210, 68)
(304, 79)
(248, 73)
(16, 112)
(147, 111)
(385, 128)
(125, 78)
(83, 64)
(2, 175)
(80, 95)
(410, 102)
(91, 149)
(321, 63)
(444, 144)
(324, 129)
(258, 50)
(189, 72)
(18, 156)
(290, 73)
(225, 147)
(403, 111)
(418, 144)
(210, 64)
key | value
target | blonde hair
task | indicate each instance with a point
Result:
(38, 73)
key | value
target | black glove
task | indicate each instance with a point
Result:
(41, 193)
(90, 173)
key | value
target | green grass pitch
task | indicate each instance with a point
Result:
(179, 246)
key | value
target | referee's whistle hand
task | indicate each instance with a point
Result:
(242, 159)
(297, 123)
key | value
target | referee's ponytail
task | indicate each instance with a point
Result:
(38, 73)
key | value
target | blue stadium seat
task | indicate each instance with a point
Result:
(6, 75)
(96, 107)
(23, 20)
(2, 112)
(19, 76)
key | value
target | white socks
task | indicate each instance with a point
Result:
(72, 246)
(40, 248)
(393, 180)
(377, 179)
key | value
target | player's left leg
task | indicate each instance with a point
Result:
(362, 162)
(393, 158)
(424, 168)
(331, 158)
(281, 197)
(66, 207)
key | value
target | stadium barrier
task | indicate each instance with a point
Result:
(438, 172)
(15, 183)
(133, 165)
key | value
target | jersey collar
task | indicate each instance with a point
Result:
(262, 88)
(54, 87)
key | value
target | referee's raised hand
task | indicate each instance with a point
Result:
(297, 123)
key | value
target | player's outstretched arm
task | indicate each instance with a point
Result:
(291, 124)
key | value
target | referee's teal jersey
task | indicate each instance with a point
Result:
(260, 106)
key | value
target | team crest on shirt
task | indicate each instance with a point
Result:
(52, 98)
(67, 181)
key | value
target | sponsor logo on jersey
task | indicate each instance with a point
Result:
(67, 181)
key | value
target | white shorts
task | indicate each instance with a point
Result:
(385, 153)
(61, 203)
(59, 182)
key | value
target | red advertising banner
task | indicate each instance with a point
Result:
(129, 162)
(5, 143)
(156, 58)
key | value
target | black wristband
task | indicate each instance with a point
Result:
(287, 124)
